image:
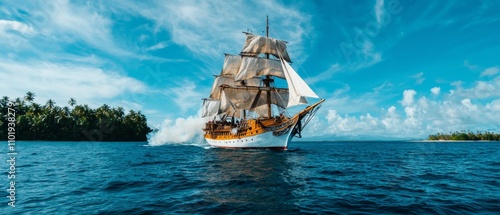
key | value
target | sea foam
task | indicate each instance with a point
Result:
(181, 131)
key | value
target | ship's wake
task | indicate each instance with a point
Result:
(185, 131)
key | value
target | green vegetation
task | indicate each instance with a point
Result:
(466, 135)
(75, 123)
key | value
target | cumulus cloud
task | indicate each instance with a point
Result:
(417, 117)
(481, 89)
(494, 105)
(408, 97)
(435, 91)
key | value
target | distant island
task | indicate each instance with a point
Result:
(466, 135)
(74, 123)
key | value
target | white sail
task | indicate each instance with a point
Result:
(231, 65)
(220, 80)
(253, 67)
(210, 108)
(256, 45)
(298, 89)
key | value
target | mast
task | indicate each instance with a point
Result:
(268, 80)
(267, 31)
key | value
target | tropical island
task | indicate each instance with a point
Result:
(466, 135)
(34, 121)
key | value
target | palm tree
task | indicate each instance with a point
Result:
(66, 110)
(51, 122)
(4, 101)
(50, 104)
(72, 102)
(30, 97)
(119, 112)
(35, 108)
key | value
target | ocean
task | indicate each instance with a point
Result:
(310, 178)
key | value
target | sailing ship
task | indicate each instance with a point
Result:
(245, 107)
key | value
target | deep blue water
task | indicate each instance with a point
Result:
(310, 178)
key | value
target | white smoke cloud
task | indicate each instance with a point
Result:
(182, 131)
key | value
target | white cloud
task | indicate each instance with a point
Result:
(23, 28)
(81, 22)
(14, 36)
(369, 51)
(490, 71)
(408, 97)
(56, 24)
(350, 125)
(160, 45)
(186, 95)
(494, 105)
(198, 26)
(326, 75)
(419, 117)
(87, 84)
(480, 90)
(391, 120)
(435, 91)
(468, 104)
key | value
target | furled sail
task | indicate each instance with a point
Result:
(253, 67)
(298, 89)
(256, 45)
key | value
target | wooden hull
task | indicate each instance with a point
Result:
(267, 133)
(265, 140)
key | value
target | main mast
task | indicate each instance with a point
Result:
(268, 79)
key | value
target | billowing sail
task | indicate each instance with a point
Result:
(222, 80)
(227, 108)
(256, 45)
(298, 89)
(253, 67)
(210, 107)
(231, 65)
(253, 97)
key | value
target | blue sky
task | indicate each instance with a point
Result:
(387, 69)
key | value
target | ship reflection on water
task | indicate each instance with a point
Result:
(250, 179)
